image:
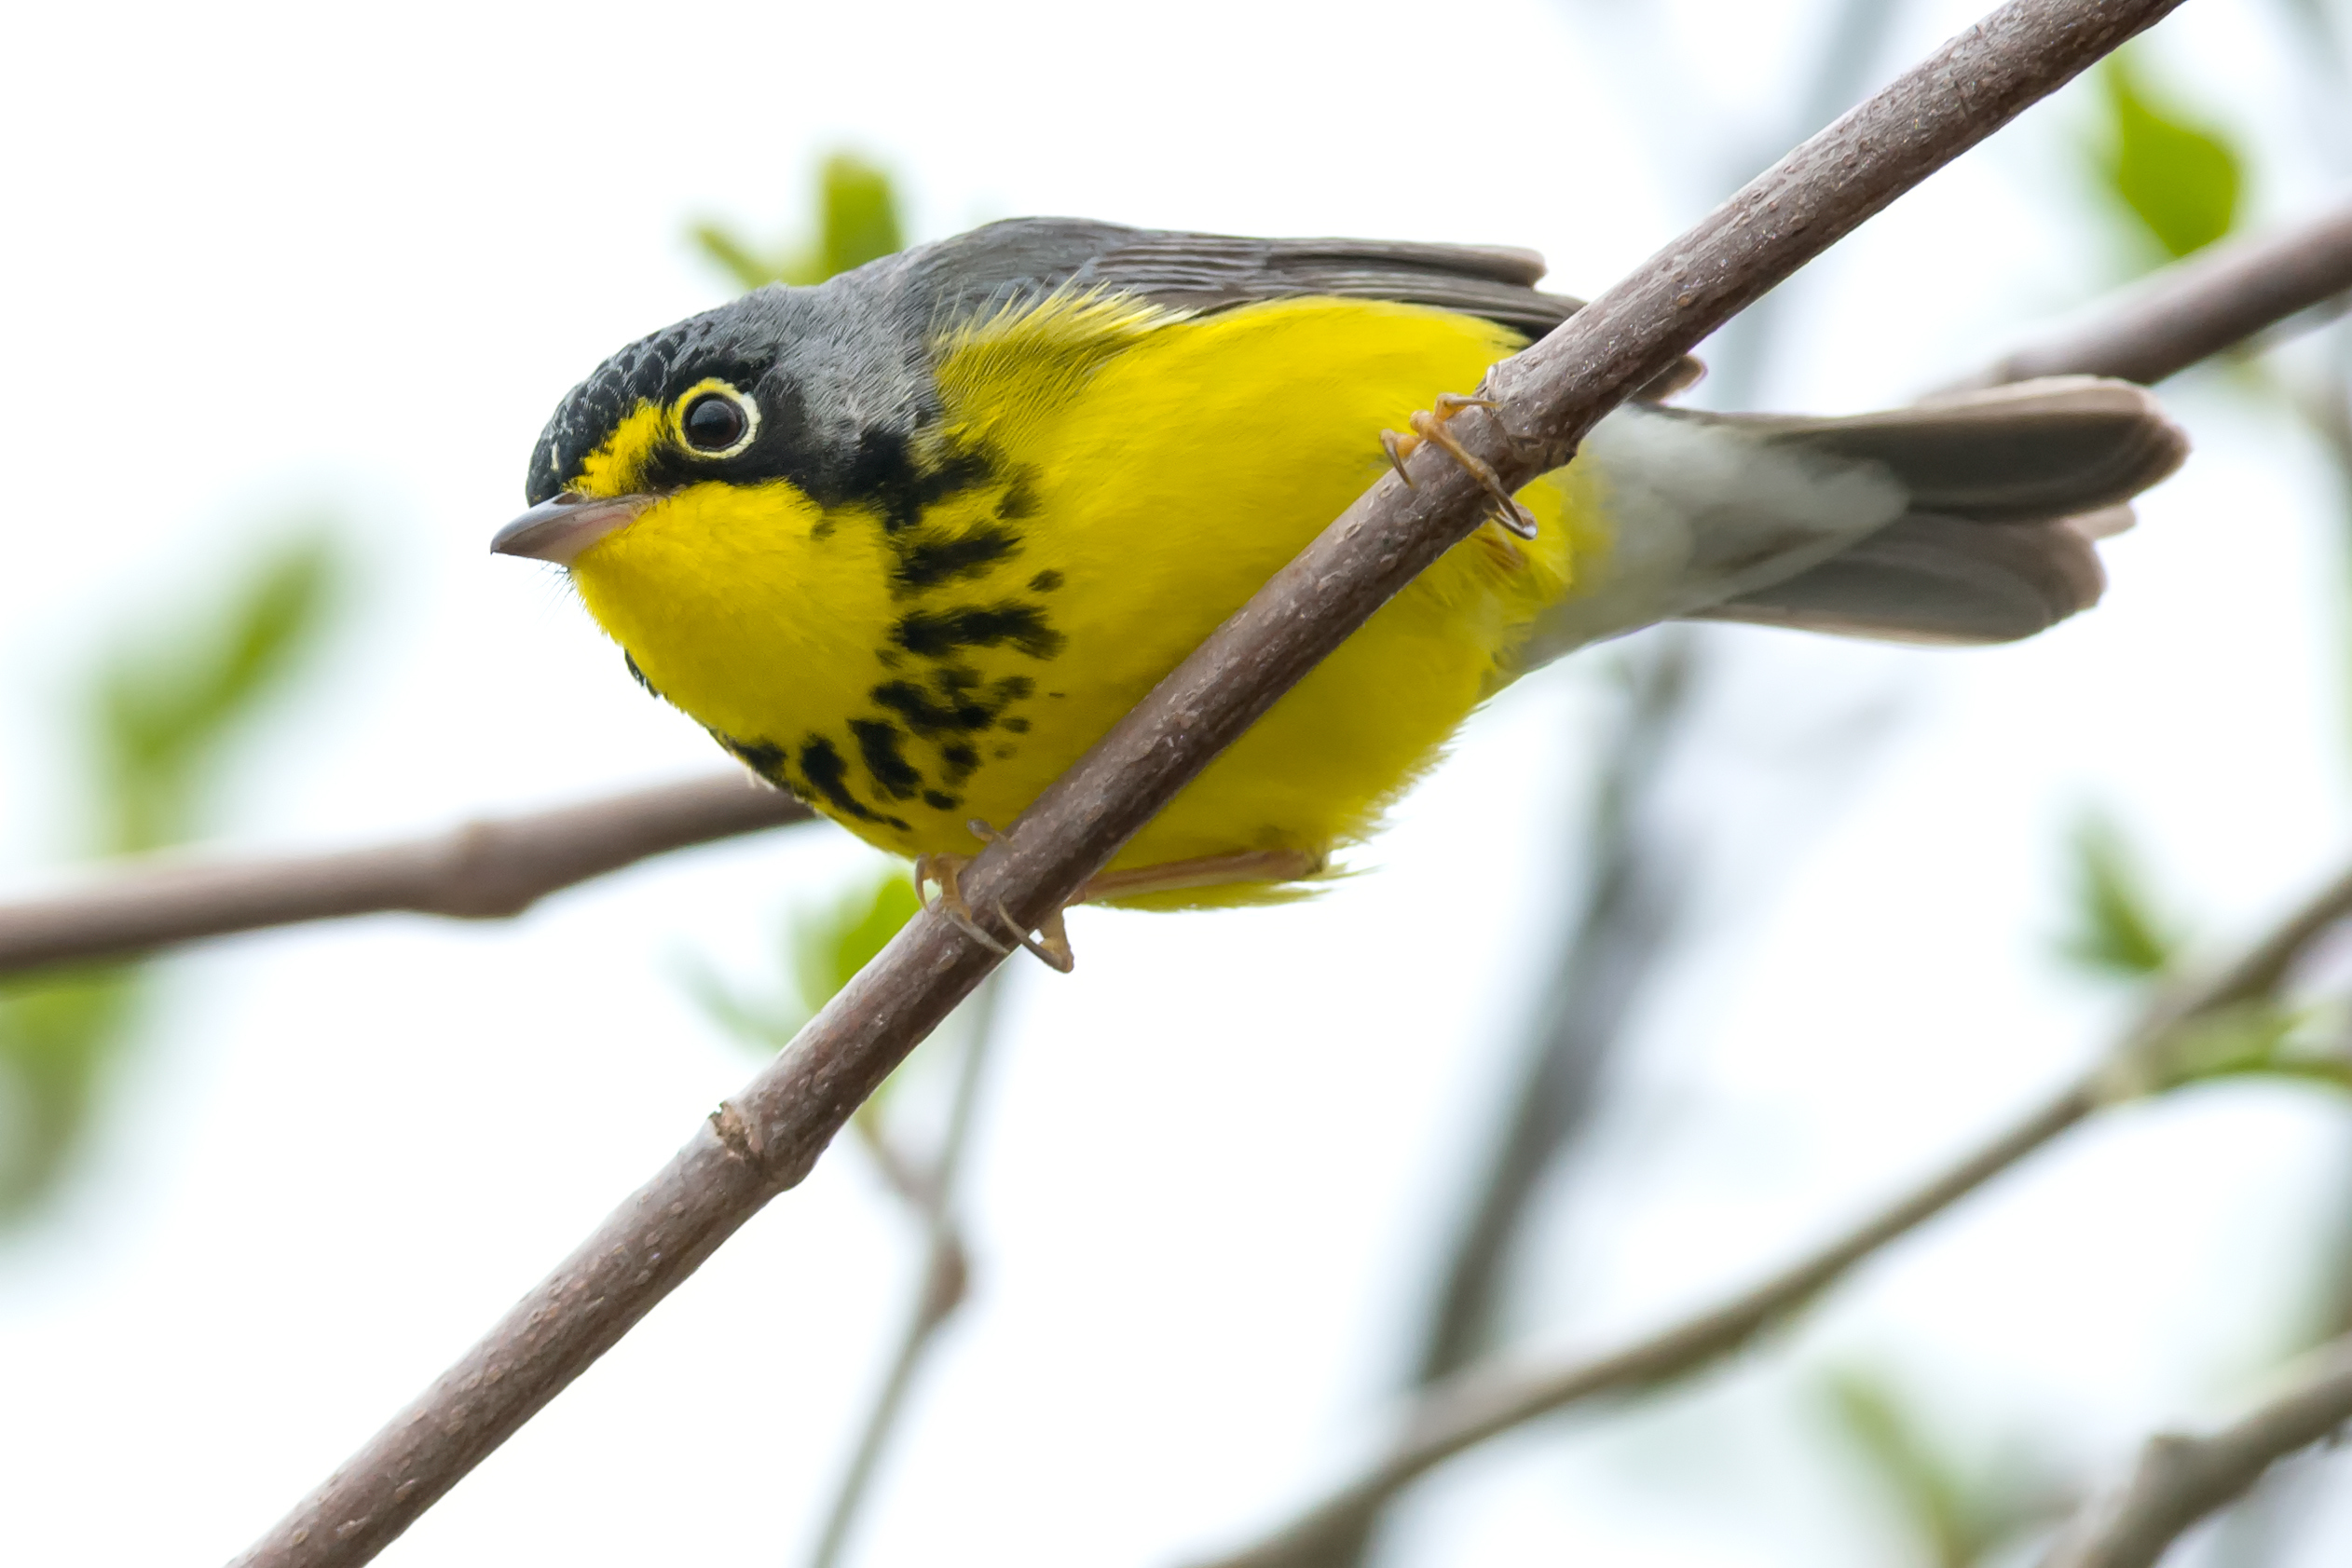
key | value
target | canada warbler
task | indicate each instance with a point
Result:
(908, 541)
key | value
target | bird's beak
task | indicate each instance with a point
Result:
(560, 527)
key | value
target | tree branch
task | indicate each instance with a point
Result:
(480, 870)
(767, 1137)
(2188, 312)
(1632, 897)
(2196, 308)
(1487, 1401)
(2164, 329)
(2180, 1479)
(946, 1277)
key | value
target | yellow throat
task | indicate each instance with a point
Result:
(1111, 480)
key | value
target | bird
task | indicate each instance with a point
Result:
(906, 542)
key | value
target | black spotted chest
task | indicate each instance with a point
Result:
(954, 534)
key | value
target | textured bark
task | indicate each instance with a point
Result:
(766, 1137)
(482, 870)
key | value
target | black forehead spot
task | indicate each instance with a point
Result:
(722, 343)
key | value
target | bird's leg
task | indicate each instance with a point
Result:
(947, 871)
(1429, 426)
(1205, 871)
(1052, 942)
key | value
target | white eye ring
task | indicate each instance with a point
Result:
(746, 409)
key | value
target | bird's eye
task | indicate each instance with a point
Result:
(716, 421)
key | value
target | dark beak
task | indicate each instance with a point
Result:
(560, 527)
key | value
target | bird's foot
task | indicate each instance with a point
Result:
(945, 872)
(1429, 425)
(1051, 943)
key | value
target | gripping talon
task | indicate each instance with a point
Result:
(1509, 514)
(1052, 943)
(1400, 446)
(947, 871)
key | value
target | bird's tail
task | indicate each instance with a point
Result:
(1967, 519)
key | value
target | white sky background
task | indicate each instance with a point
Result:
(267, 259)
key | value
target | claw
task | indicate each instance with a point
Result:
(1509, 514)
(1052, 943)
(1400, 446)
(946, 870)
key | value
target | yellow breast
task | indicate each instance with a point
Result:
(1110, 483)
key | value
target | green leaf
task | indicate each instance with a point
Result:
(857, 216)
(164, 711)
(828, 950)
(2117, 928)
(2179, 180)
(748, 268)
(167, 706)
(2258, 1038)
(822, 950)
(856, 222)
(1960, 1514)
(59, 1033)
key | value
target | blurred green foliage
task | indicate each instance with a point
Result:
(2178, 179)
(2118, 930)
(164, 713)
(1962, 1515)
(856, 222)
(822, 950)
(2258, 1038)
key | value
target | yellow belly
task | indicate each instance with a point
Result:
(1120, 483)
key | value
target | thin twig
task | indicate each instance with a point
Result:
(946, 1277)
(137, 909)
(2176, 318)
(1632, 896)
(2180, 1479)
(767, 1138)
(1487, 1401)
(480, 870)
(1608, 952)
(2194, 310)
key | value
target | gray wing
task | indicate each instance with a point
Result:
(1026, 256)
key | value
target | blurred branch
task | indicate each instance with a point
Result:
(767, 1138)
(1605, 958)
(2175, 319)
(1853, 39)
(163, 713)
(1632, 894)
(946, 1270)
(481, 870)
(2198, 307)
(1487, 1401)
(2180, 1479)
(1962, 1514)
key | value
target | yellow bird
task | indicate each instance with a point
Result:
(908, 541)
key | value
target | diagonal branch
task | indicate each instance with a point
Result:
(1487, 1401)
(2180, 1479)
(2188, 312)
(479, 870)
(767, 1137)
(1607, 954)
(946, 1273)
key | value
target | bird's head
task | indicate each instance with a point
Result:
(694, 484)
(702, 402)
